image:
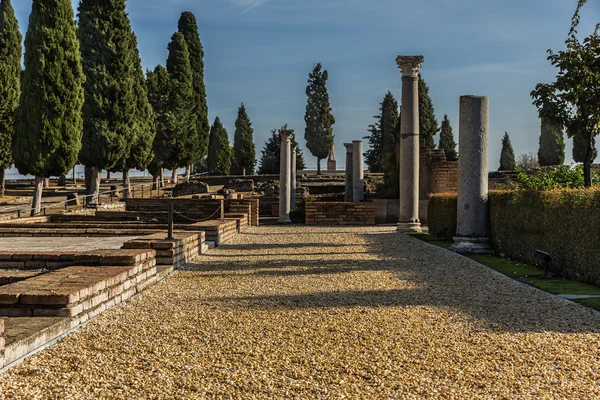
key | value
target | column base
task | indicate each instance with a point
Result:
(472, 245)
(407, 227)
(284, 221)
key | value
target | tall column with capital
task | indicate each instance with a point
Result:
(358, 188)
(349, 174)
(293, 183)
(285, 177)
(409, 144)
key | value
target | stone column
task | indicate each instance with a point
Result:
(293, 183)
(472, 210)
(409, 144)
(358, 192)
(285, 177)
(349, 173)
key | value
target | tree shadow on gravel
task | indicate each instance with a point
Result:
(438, 278)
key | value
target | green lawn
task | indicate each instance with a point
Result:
(528, 274)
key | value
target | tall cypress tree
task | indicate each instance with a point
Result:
(507, 156)
(428, 126)
(188, 26)
(271, 154)
(10, 82)
(447, 142)
(390, 131)
(181, 110)
(144, 132)
(159, 87)
(49, 124)
(220, 153)
(110, 109)
(318, 117)
(244, 153)
(552, 144)
(580, 148)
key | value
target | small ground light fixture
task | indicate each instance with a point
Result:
(544, 258)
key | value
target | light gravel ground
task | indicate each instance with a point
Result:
(326, 313)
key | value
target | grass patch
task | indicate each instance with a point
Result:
(527, 274)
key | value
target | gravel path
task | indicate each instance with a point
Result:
(326, 313)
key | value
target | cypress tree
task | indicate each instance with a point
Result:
(109, 111)
(271, 154)
(159, 86)
(447, 142)
(428, 126)
(48, 121)
(181, 110)
(580, 148)
(188, 26)
(244, 153)
(373, 156)
(390, 131)
(552, 144)
(10, 82)
(220, 153)
(140, 154)
(318, 117)
(507, 157)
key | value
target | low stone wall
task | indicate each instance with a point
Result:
(171, 252)
(247, 206)
(217, 231)
(186, 210)
(242, 221)
(2, 342)
(339, 213)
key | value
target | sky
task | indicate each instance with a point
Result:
(260, 52)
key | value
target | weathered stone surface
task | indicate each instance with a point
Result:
(193, 187)
(240, 185)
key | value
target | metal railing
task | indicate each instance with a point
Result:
(19, 211)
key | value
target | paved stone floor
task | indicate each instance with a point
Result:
(43, 244)
(326, 313)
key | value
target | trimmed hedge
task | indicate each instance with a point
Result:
(562, 222)
(441, 213)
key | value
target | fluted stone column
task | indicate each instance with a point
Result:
(409, 144)
(349, 173)
(358, 192)
(294, 175)
(472, 209)
(285, 177)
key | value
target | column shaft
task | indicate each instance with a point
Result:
(358, 193)
(349, 174)
(285, 177)
(293, 181)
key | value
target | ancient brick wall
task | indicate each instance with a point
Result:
(246, 206)
(339, 213)
(436, 175)
(194, 209)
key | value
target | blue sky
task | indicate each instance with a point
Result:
(260, 52)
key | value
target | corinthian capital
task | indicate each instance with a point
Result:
(410, 65)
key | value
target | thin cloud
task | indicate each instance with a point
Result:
(249, 4)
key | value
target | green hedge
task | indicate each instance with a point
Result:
(564, 223)
(441, 213)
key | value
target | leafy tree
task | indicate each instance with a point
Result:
(552, 144)
(507, 157)
(10, 81)
(110, 109)
(318, 117)
(244, 153)
(580, 149)
(180, 109)
(572, 100)
(527, 161)
(220, 153)
(271, 154)
(48, 121)
(189, 28)
(428, 126)
(373, 156)
(447, 142)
